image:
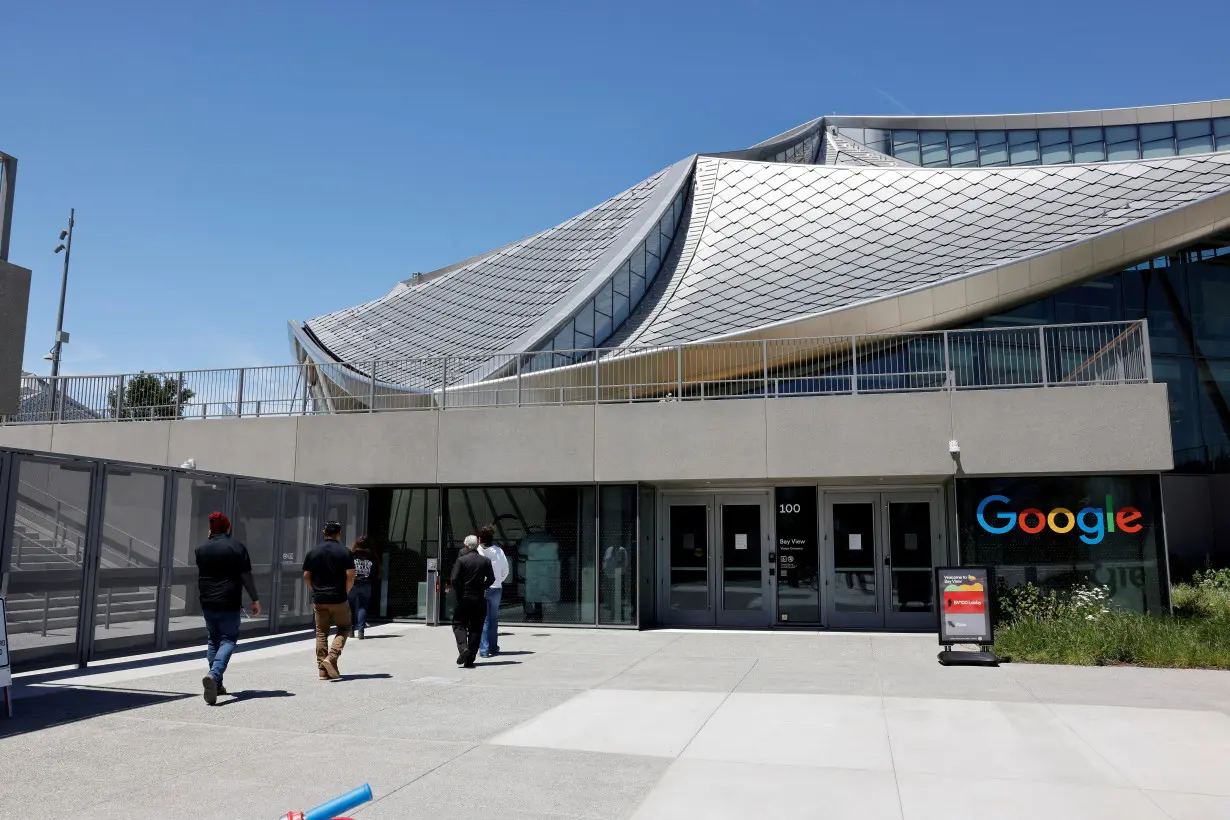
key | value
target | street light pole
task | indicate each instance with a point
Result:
(60, 336)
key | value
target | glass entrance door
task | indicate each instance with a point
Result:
(747, 568)
(913, 545)
(852, 539)
(689, 561)
(717, 567)
(880, 551)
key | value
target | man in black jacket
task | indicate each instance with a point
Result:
(225, 570)
(471, 576)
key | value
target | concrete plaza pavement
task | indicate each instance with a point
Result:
(606, 724)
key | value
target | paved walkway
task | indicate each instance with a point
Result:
(584, 724)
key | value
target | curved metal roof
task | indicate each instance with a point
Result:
(521, 291)
(782, 241)
(807, 224)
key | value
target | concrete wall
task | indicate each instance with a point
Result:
(14, 304)
(1052, 430)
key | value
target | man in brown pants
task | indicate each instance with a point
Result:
(328, 571)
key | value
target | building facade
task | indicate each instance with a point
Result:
(777, 387)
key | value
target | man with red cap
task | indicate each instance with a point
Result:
(225, 571)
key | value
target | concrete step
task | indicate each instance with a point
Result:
(37, 626)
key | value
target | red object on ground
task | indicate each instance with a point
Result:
(967, 602)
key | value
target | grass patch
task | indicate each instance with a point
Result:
(1119, 638)
(1078, 627)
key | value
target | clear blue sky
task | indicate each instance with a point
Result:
(238, 164)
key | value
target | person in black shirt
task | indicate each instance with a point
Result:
(224, 571)
(328, 571)
(366, 564)
(471, 576)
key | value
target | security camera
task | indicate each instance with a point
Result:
(954, 449)
(190, 464)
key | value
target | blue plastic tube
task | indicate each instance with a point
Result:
(340, 805)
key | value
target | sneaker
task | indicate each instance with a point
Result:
(468, 665)
(323, 676)
(222, 690)
(330, 665)
(359, 635)
(484, 654)
(461, 660)
(211, 689)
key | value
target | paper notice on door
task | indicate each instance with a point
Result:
(911, 540)
(856, 541)
(740, 540)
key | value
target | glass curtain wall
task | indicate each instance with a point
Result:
(44, 569)
(1057, 532)
(617, 544)
(548, 534)
(129, 561)
(413, 536)
(572, 550)
(1186, 299)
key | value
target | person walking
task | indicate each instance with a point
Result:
(328, 571)
(489, 646)
(471, 576)
(366, 565)
(224, 570)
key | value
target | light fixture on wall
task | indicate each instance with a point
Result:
(190, 464)
(954, 448)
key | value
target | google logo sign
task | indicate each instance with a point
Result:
(1093, 522)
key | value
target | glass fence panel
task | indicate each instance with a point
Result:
(300, 530)
(255, 526)
(126, 602)
(196, 496)
(47, 526)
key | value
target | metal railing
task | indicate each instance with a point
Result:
(972, 359)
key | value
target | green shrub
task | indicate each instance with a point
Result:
(1215, 579)
(1028, 602)
(1207, 596)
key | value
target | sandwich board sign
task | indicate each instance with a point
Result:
(965, 607)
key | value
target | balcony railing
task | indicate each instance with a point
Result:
(1012, 357)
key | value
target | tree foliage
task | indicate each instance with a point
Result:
(149, 396)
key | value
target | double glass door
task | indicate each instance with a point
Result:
(718, 565)
(881, 549)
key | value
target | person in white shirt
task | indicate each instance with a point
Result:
(490, 644)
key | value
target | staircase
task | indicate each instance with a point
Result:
(44, 542)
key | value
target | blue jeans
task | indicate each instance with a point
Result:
(223, 635)
(490, 644)
(360, 594)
